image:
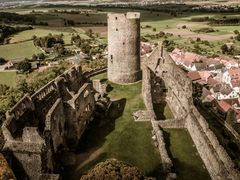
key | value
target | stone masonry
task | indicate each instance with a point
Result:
(124, 47)
(39, 127)
(179, 97)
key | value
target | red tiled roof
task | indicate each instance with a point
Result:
(194, 75)
(224, 106)
(212, 81)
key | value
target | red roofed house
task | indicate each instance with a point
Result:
(223, 106)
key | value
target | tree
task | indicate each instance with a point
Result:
(237, 37)
(34, 57)
(224, 49)
(184, 27)
(236, 32)
(41, 56)
(24, 66)
(2, 61)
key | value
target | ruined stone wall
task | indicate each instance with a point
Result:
(179, 98)
(217, 161)
(172, 123)
(157, 131)
(37, 128)
(146, 90)
(124, 47)
(160, 143)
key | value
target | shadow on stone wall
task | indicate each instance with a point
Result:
(100, 127)
(159, 110)
(95, 136)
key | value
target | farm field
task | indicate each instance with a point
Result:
(19, 50)
(27, 35)
(119, 136)
(8, 78)
(187, 162)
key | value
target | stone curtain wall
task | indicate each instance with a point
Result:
(146, 90)
(216, 159)
(179, 98)
(36, 128)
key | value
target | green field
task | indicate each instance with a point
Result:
(8, 78)
(27, 35)
(18, 51)
(187, 162)
(119, 136)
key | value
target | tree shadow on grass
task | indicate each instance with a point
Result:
(95, 136)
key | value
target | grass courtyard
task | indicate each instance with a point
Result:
(187, 162)
(119, 136)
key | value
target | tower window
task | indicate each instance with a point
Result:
(117, 29)
(111, 58)
(116, 18)
(123, 43)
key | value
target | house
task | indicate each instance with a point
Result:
(10, 64)
(145, 48)
(34, 65)
(194, 76)
(231, 77)
(185, 58)
(223, 91)
(228, 62)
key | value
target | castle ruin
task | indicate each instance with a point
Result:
(39, 127)
(123, 48)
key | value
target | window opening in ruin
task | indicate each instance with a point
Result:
(117, 29)
(116, 18)
(123, 43)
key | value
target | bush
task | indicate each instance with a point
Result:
(24, 66)
(236, 32)
(184, 27)
(2, 61)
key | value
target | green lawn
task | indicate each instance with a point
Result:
(8, 78)
(119, 136)
(18, 51)
(187, 162)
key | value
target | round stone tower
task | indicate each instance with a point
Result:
(124, 48)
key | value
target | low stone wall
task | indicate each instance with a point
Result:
(160, 143)
(172, 123)
(157, 132)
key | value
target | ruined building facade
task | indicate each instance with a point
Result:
(123, 47)
(39, 127)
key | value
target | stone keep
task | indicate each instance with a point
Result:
(124, 47)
